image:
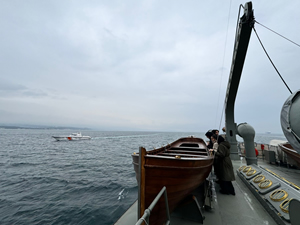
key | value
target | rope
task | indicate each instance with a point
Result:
(236, 33)
(223, 110)
(271, 61)
(222, 70)
(278, 34)
(237, 26)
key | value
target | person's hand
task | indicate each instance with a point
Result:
(211, 150)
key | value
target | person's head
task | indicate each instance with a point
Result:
(224, 129)
(217, 138)
(215, 132)
(214, 138)
(208, 134)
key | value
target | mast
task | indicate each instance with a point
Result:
(242, 38)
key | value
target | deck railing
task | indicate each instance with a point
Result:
(145, 217)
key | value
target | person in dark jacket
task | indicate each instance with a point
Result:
(224, 165)
(215, 148)
(208, 134)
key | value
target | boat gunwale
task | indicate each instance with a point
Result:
(178, 167)
(283, 147)
(167, 147)
(181, 158)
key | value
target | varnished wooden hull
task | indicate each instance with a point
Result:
(180, 176)
(289, 150)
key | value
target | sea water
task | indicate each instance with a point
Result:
(43, 181)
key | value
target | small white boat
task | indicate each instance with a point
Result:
(72, 137)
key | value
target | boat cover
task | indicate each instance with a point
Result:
(290, 120)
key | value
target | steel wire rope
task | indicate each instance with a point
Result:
(222, 69)
(271, 60)
(222, 112)
(277, 33)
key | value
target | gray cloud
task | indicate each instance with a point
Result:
(147, 65)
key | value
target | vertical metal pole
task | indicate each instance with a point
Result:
(139, 187)
(167, 204)
(141, 194)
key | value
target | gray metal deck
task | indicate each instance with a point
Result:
(243, 208)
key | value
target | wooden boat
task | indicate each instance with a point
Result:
(181, 167)
(291, 152)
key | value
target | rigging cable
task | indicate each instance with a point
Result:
(271, 60)
(278, 34)
(236, 34)
(222, 69)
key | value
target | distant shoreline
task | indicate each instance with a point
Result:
(42, 127)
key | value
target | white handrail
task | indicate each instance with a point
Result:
(145, 217)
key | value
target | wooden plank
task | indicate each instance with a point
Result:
(189, 148)
(183, 155)
(188, 152)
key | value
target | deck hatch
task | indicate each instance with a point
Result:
(284, 206)
(265, 184)
(242, 168)
(251, 172)
(278, 195)
(246, 169)
(259, 178)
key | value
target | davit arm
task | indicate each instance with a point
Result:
(243, 34)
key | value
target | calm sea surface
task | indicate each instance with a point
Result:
(43, 181)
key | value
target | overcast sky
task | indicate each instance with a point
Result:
(142, 65)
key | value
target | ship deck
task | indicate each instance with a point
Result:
(229, 209)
